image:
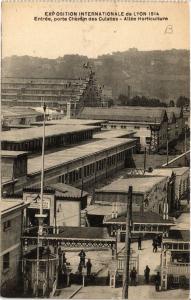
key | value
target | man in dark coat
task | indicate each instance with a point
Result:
(133, 276)
(88, 266)
(139, 242)
(147, 274)
(82, 256)
(157, 281)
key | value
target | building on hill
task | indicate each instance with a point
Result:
(154, 125)
(55, 92)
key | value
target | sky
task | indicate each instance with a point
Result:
(21, 35)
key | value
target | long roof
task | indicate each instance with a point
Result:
(28, 134)
(75, 153)
(126, 113)
(139, 184)
(72, 122)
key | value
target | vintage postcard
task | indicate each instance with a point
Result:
(95, 150)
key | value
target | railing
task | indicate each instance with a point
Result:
(179, 269)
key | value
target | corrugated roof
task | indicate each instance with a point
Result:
(126, 113)
(28, 134)
(139, 184)
(75, 153)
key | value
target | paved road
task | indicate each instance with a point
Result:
(135, 293)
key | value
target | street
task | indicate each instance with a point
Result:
(141, 291)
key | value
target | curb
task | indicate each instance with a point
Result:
(74, 293)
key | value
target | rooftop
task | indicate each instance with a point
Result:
(168, 171)
(107, 134)
(126, 113)
(7, 205)
(147, 217)
(67, 190)
(18, 111)
(8, 153)
(139, 184)
(75, 153)
(28, 134)
(72, 122)
(78, 233)
(99, 209)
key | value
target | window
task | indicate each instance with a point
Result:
(148, 140)
(137, 127)
(6, 225)
(6, 261)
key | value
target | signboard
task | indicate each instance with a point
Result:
(45, 204)
(34, 201)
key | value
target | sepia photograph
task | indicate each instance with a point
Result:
(95, 150)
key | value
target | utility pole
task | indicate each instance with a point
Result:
(185, 139)
(40, 216)
(145, 157)
(127, 245)
(167, 141)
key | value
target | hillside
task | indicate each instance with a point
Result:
(158, 74)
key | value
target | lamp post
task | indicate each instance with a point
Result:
(167, 144)
(40, 216)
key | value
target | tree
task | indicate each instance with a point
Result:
(182, 101)
(171, 103)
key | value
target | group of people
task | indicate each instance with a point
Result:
(83, 264)
(133, 277)
(157, 242)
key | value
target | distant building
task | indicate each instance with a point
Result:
(15, 116)
(11, 230)
(55, 92)
(154, 125)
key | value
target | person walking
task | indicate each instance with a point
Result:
(133, 276)
(157, 281)
(154, 245)
(147, 274)
(139, 242)
(82, 256)
(89, 266)
(80, 268)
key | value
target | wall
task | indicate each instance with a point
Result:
(10, 242)
(67, 213)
